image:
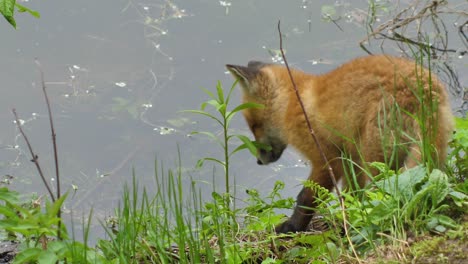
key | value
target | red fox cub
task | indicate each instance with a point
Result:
(374, 108)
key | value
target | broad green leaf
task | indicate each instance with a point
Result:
(247, 105)
(47, 257)
(459, 198)
(57, 246)
(22, 9)
(309, 239)
(247, 144)
(27, 255)
(447, 221)
(10, 20)
(402, 185)
(7, 9)
(57, 205)
(441, 186)
(383, 211)
(440, 228)
(461, 123)
(333, 250)
(269, 261)
(415, 203)
(8, 212)
(8, 196)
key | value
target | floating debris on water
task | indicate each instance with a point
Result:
(226, 5)
(121, 84)
(320, 61)
(276, 55)
(179, 122)
(21, 121)
(164, 130)
(299, 163)
(146, 106)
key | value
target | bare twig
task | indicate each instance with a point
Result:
(54, 143)
(396, 28)
(34, 156)
(462, 34)
(52, 129)
(309, 126)
(317, 143)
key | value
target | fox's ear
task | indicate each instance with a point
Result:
(246, 75)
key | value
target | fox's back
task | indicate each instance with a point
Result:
(357, 90)
(358, 102)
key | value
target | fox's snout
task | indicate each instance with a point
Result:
(262, 153)
(265, 157)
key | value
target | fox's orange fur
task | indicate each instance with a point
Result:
(366, 108)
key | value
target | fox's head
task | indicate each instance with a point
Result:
(258, 84)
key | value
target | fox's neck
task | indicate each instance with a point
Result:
(286, 108)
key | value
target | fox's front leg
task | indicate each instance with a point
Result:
(302, 213)
(305, 202)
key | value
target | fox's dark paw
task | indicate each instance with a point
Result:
(288, 227)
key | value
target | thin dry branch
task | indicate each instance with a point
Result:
(52, 129)
(319, 146)
(309, 126)
(54, 143)
(396, 28)
(34, 158)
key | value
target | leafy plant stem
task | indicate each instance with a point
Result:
(226, 153)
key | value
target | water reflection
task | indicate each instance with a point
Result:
(120, 72)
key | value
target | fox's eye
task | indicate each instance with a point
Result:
(254, 127)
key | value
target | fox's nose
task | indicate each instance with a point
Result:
(261, 153)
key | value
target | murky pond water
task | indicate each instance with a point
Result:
(119, 73)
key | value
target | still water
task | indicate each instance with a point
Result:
(119, 73)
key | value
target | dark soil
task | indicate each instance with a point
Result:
(7, 251)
